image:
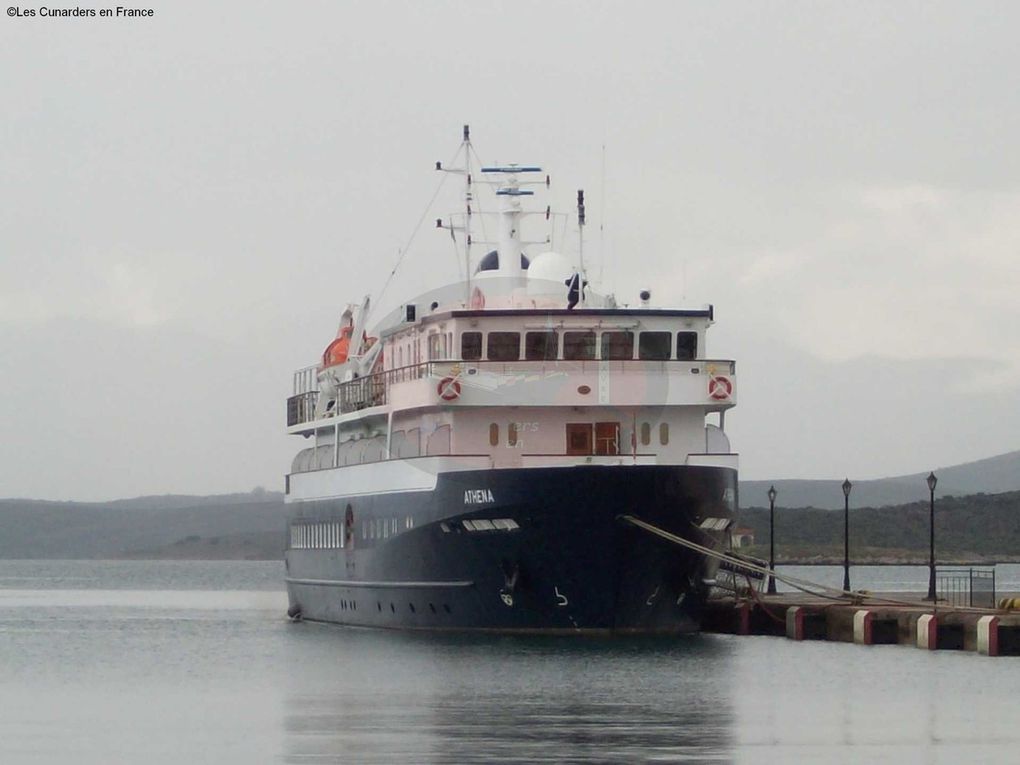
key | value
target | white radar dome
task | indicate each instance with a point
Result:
(550, 266)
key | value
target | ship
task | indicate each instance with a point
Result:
(512, 452)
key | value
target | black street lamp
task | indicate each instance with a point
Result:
(772, 540)
(846, 533)
(932, 480)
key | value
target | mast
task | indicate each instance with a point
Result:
(467, 212)
(465, 170)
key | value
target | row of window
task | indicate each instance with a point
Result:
(513, 431)
(480, 524)
(317, 536)
(411, 443)
(330, 535)
(384, 528)
(585, 437)
(582, 345)
(646, 433)
(603, 438)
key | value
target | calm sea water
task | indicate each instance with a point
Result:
(187, 662)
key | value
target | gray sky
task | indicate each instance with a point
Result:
(188, 201)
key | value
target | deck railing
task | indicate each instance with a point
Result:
(373, 390)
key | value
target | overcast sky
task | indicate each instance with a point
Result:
(188, 201)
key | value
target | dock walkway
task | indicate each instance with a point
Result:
(869, 619)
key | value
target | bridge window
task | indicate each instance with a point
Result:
(654, 346)
(579, 440)
(438, 441)
(617, 345)
(539, 346)
(471, 346)
(504, 346)
(607, 438)
(687, 346)
(438, 346)
(578, 346)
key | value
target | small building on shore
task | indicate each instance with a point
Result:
(741, 537)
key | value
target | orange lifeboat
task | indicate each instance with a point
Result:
(336, 352)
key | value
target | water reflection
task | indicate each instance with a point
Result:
(383, 697)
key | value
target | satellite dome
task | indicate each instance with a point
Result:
(551, 266)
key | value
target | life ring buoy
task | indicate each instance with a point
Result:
(720, 388)
(448, 388)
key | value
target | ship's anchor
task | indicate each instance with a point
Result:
(510, 577)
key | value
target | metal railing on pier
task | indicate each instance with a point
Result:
(966, 586)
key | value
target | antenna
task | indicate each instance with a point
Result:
(580, 232)
(602, 221)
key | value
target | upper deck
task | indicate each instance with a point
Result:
(512, 358)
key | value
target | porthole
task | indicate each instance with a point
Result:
(393, 608)
(446, 608)
(493, 434)
(432, 608)
(646, 433)
(411, 606)
(511, 434)
(664, 433)
(379, 606)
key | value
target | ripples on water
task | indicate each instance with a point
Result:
(153, 662)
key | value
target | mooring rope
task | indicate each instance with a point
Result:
(804, 585)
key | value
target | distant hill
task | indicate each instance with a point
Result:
(994, 475)
(889, 513)
(221, 526)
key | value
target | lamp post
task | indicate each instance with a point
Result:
(932, 480)
(772, 540)
(846, 533)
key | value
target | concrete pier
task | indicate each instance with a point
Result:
(866, 620)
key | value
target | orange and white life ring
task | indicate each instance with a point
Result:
(448, 388)
(720, 388)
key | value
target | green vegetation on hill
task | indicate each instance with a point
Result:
(976, 527)
(215, 527)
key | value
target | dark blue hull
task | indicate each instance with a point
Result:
(524, 550)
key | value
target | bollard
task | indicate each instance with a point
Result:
(863, 632)
(927, 632)
(743, 621)
(795, 623)
(988, 635)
